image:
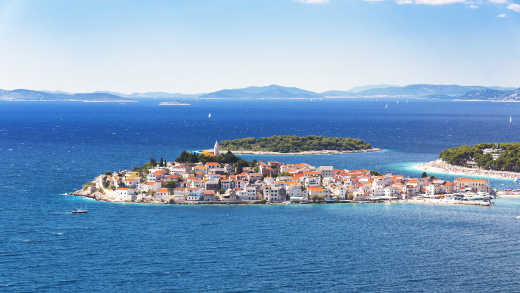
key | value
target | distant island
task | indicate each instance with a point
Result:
(287, 144)
(279, 92)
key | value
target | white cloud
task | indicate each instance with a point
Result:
(313, 1)
(502, 15)
(498, 1)
(515, 7)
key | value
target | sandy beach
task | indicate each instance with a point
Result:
(439, 166)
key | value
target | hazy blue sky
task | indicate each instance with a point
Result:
(199, 46)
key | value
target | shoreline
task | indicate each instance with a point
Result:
(262, 203)
(69, 101)
(322, 152)
(441, 167)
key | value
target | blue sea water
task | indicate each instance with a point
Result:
(47, 149)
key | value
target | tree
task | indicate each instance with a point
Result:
(424, 175)
(375, 173)
(170, 184)
(153, 163)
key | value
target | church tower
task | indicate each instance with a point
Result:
(216, 151)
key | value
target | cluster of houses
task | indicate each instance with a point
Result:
(276, 182)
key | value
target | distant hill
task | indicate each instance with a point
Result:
(271, 91)
(338, 94)
(492, 94)
(420, 90)
(354, 91)
(160, 95)
(30, 95)
(428, 91)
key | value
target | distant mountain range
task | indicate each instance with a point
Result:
(431, 91)
(270, 91)
(30, 95)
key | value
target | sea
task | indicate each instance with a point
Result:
(50, 148)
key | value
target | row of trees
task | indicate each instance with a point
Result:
(289, 144)
(509, 159)
(227, 158)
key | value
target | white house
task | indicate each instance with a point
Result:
(274, 194)
(163, 194)
(248, 193)
(194, 194)
(151, 185)
(124, 194)
(179, 194)
(326, 171)
(296, 193)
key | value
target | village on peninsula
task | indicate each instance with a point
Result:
(219, 177)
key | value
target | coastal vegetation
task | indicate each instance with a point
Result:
(489, 156)
(226, 158)
(294, 144)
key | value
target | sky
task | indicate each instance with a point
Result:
(197, 46)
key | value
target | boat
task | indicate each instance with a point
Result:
(79, 211)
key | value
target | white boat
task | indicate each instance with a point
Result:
(79, 211)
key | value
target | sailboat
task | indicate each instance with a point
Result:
(209, 116)
(510, 119)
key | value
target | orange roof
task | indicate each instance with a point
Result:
(469, 180)
(151, 183)
(163, 190)
(316, 188)
(212, 164)
(159, 172)
(122, 188)
(311, 173)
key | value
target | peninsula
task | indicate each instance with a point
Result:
(289, 145)
(223, 178)
(501, 161)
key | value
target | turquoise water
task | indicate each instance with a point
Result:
(52, 148)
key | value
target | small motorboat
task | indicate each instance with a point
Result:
(79, 211)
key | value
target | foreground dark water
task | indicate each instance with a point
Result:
(48, 149)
